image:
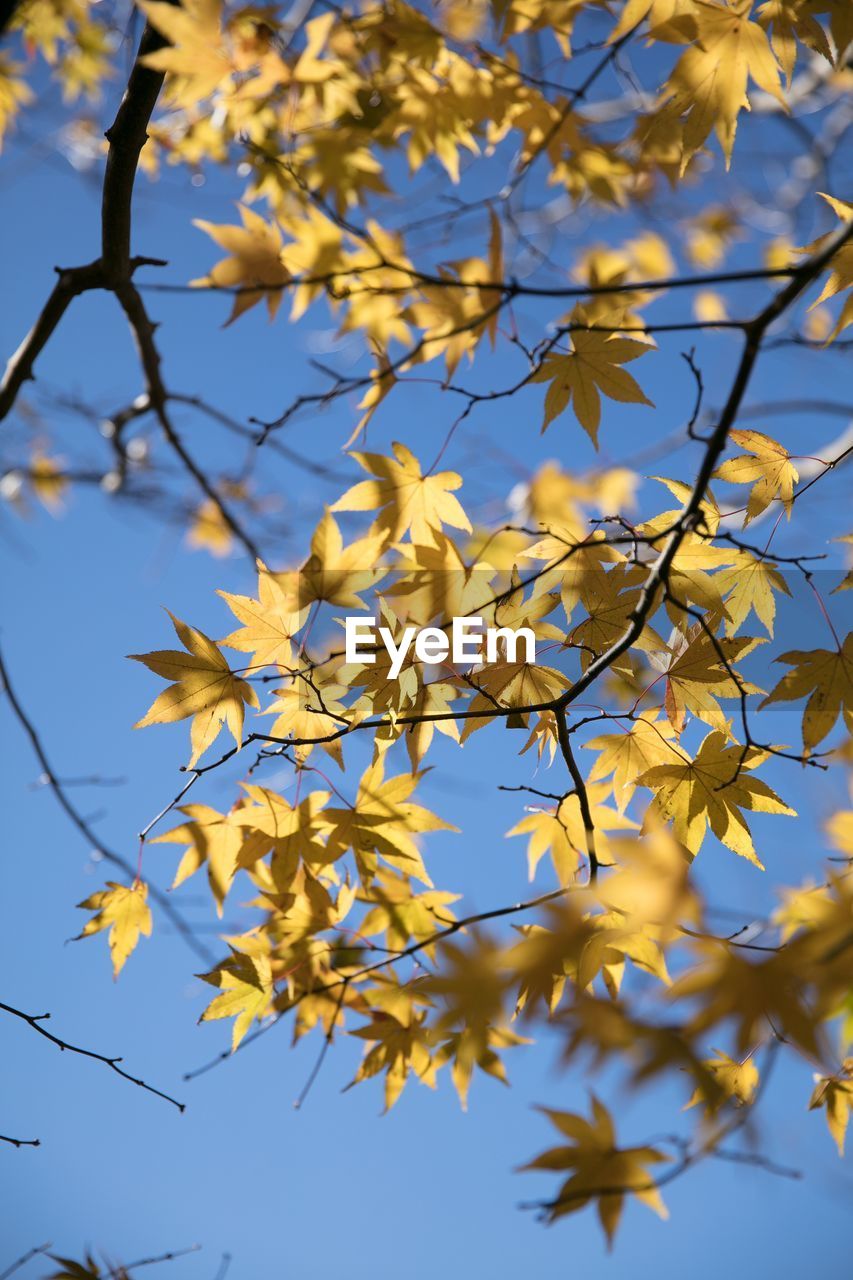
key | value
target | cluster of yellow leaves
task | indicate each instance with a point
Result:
(315, 116)
(74, 39)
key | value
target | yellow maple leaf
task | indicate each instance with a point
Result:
(397, 1046)
(748, 586)
(302, 713)
(195, 54)
(625, 755)
(767, 466)
(212, 838)
(825, 677)
(254, 269)
(698, 669)
(711, 790)
(591, 369)
(245, 982)
(708, 84)
(406, 499)
(737, 1082)
(124, 910)
(209, 530)
(204, 687)
(835, 1094)
(269, 623)
(598, 1169)
(658, 12)
(336, 573)
(560, 831)
(841, 276)
(383, 823)
(14, 94)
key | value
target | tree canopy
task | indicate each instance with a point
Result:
(606, 221)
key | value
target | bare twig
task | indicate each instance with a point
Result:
(35, 1021)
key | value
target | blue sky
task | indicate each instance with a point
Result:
(335, 1187)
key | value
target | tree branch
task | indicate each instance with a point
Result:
(35, 1021)
(115, 859)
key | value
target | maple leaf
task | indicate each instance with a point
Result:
(336, 573)
(124, 910)
(204, 688)
(658, 12)
(708, 84)
(610, 600)
(648, 742)
(470, 987)
(841, 276)
(549, 956)
(295, 832)
(209, 530)
(433, 699)
(382, 824)
(214, 838)
(245, 982)
(737, 1082)
(301, 713)
(600, 1170)
(649, 884)
(407, 500)
(254, 268)
(47, 480)
(88, 1269)
(591, 369)
(698, 669)
(561, 832)
(468, 1049)
(767, 467)
(711, 790)
(269, 623)
(790, 22)
(14, 94)
(403, 915)
(748, 586)
(753, 994)
(825, 676)
(195, 54)
(835, 1094)
(398, 1048)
